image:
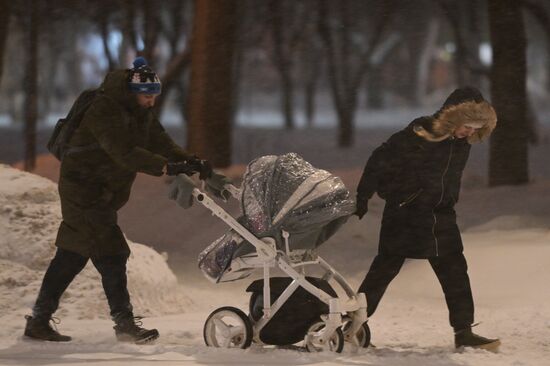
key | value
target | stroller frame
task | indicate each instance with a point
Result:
(351, 308)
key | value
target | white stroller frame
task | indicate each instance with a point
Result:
(351, 309)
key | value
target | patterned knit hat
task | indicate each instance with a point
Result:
(142, 79)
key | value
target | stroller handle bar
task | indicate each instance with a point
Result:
(234, 191)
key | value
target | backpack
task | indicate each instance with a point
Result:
(58, 143)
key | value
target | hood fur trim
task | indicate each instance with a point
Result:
(449, 119)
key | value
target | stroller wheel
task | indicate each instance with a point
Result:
(362, 335)
(334, 344)
(228, 327)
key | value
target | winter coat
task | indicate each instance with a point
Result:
(418, 173)
(95, 184)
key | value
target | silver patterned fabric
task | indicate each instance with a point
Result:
(282, 193)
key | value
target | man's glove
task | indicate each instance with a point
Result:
(362, 206)
(186, 167)
(189, 167)
(215, 184)
(181, 191)
(205, 170)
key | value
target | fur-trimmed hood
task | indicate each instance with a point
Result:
(467, 109)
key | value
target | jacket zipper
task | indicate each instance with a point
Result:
(411, 198)
(441, 199)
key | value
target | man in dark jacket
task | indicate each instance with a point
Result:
(118, 137)
(418, 173)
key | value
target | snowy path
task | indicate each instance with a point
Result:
(509, 272)
(509, 266)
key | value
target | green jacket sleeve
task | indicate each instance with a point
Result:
(109, 126)
(161, 143)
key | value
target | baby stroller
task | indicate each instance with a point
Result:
(289, 209)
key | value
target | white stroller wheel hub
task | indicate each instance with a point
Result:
(228, 327)
(317, 341)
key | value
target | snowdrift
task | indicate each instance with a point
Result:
(30, 213)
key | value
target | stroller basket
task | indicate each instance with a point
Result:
(290, 324)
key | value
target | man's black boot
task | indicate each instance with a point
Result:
(129, 329)
(467, 338)
(40, 328)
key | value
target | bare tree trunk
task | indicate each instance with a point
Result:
(463, 18)
(182, 97)
(72, 66)
(103, 23)
(375, 96)
(210, 94)
(311, 62)
(283, 60)
(345, 79)
(129, 39)
(310, 90)
(179, 60)
(173, 72)
(425, 59)
(48, 67)
(238, 59)
(151, 10)
(339, 73)
(346, 117)
(288, 99)
(31, 85)
(375, 79)
(538, 11)
(452, 11)
(414, 43)
(508, 160)
(5, 16)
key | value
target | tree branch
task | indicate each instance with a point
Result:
(384, 20)
(538, 11)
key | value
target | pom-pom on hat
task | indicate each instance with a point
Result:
(142, 79)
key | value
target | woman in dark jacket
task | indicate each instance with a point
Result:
(418, 173)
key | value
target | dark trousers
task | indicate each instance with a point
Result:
(451, 271)
(63, 269)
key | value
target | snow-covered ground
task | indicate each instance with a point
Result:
(509, 261)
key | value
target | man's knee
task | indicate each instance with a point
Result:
(64, 266)
(111, 265)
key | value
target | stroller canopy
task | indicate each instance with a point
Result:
(287, 193)
(282, 193)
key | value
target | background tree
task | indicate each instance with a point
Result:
(210, 96)
(102, 15)
(508, 160)
(350, 31)
(286, 26)
(540, 10)
(175, 27)
(31, 82)
(405, 54)
(5, 17)
(465, 20)
(310, 60)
